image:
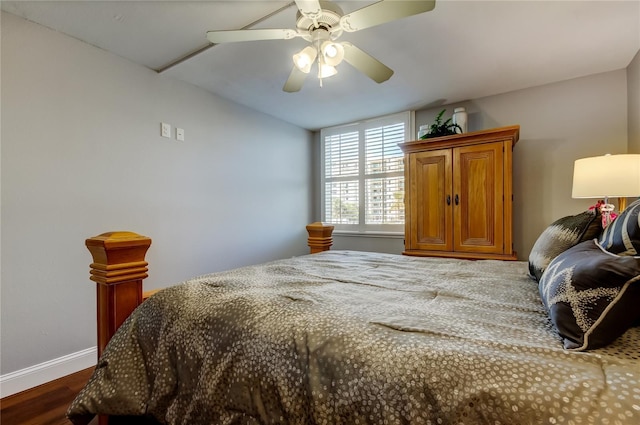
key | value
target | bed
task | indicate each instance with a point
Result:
(345, 337)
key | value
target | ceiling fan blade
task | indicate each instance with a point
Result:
(366, 63)
(226, 36)
(310, 8)
(295, 80)
(384, 11)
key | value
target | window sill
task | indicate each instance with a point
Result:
(369, 234)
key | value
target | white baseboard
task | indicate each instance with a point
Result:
(24, 379)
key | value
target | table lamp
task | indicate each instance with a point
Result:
(607, 176)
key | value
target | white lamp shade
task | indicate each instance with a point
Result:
(304, 59)
(333, 53)
(326, 71)
(607, 176)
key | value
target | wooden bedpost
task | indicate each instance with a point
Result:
(319, 236)
(118, 268)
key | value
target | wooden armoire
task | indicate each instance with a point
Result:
(459, 195)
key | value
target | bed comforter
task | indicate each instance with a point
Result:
(346, 337)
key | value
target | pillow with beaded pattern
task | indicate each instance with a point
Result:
(561, 235)
(591, 295)
(622, 236)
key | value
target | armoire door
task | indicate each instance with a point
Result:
(430, 227)
(478, 198)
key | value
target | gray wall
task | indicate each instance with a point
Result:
(391, 245)
(82, 154)
(633, 99)
(559, 123)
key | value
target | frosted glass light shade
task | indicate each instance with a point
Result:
(304, 59)
(326, 71)
(607, 176)
(333, 53)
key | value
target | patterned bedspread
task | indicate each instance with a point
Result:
(346, 337)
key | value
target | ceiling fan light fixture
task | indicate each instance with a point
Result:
(333, 53)
(321, 23)
(305, 58)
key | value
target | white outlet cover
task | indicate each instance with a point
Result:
(180, 134)
(165, 130)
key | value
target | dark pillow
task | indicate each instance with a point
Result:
(561, 235)
(622, 236)
(592, 296)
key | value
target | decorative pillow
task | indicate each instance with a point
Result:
(622, 236)
(561, 235)
(592, 296)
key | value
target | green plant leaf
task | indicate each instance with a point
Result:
(440, 128)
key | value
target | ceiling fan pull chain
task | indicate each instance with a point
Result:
(320, 56)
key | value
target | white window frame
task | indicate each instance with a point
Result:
(362, 228)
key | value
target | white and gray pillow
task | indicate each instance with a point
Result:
(622, 236)
(561, 235)
(591, 295)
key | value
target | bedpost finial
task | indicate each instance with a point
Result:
(118, 256)
(320, 236)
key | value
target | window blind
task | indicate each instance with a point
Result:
(363, 174)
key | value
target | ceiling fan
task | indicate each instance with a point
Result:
(321, 23)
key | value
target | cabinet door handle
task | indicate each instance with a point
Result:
(448, 199)
(457, 200)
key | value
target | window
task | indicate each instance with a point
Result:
(363, 174)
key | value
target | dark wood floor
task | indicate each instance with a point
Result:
(45, 404)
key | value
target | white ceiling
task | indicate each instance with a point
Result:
(461, 50)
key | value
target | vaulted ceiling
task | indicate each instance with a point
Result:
(460, 50)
